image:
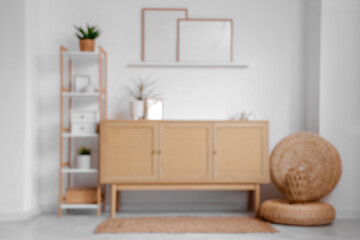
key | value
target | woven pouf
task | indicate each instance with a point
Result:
(303, 214)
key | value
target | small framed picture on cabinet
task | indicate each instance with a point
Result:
(154, 109)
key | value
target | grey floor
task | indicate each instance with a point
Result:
(81, 226)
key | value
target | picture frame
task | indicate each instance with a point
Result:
(158, 33)
(205, 40)
(154, 109)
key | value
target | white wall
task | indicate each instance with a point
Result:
(303, 66)
(18, 196)
(313, 64)
(269, 36)
(339, 96)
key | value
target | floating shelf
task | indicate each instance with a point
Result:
(79, 206)
(80, 94)
(79, 170)
(66, 134)
(188, 64)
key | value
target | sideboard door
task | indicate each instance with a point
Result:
(241, 152)
(128, 151)
(185, 151)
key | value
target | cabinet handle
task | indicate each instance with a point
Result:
(153, 152)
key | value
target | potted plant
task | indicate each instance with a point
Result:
(142, 89)
(87, 37)
(84, 158)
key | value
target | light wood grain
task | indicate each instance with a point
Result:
(192, 186)
(238, 152)
(128, 151)
(185, 151)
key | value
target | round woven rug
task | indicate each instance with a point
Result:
(318, 157)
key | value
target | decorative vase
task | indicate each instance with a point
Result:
(84, 161)
(137, 109)
(87, 45)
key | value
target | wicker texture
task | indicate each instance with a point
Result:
(298, 186)
(306, 214)
(184, 225)
(314, 154)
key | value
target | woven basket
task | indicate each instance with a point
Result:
(298, 187)
(303, 214)
(317, 156)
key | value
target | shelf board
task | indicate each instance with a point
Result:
(79, 206)
(188, 64)
(79, 53)
(66, 134)
(79, 170)
(80, 94)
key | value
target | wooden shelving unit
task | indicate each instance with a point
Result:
(66, 137)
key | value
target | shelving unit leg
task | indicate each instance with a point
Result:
(99, 200)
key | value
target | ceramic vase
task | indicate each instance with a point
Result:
(137, 109)
(84, 161)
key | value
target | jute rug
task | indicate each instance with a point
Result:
(185, 225)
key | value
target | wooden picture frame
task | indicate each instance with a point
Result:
(145, 37)
(222, 36)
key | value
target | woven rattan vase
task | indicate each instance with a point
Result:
(298, 187)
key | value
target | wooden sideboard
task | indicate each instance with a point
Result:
(184, 155)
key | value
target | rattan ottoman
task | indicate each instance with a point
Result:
(303, 214)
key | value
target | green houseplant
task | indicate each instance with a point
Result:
(84, 158)
(87, 37)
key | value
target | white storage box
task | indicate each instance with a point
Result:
(83, 127)
(83, 117)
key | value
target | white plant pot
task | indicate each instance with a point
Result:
(137, 109)
(84, 161)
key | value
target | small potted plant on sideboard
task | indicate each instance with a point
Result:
(143, 89)
(84, 158)
(87, 37)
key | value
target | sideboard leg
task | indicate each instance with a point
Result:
(257, 199)
(103, 200)
(113, 201)
(118, 202)
(250, 204)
